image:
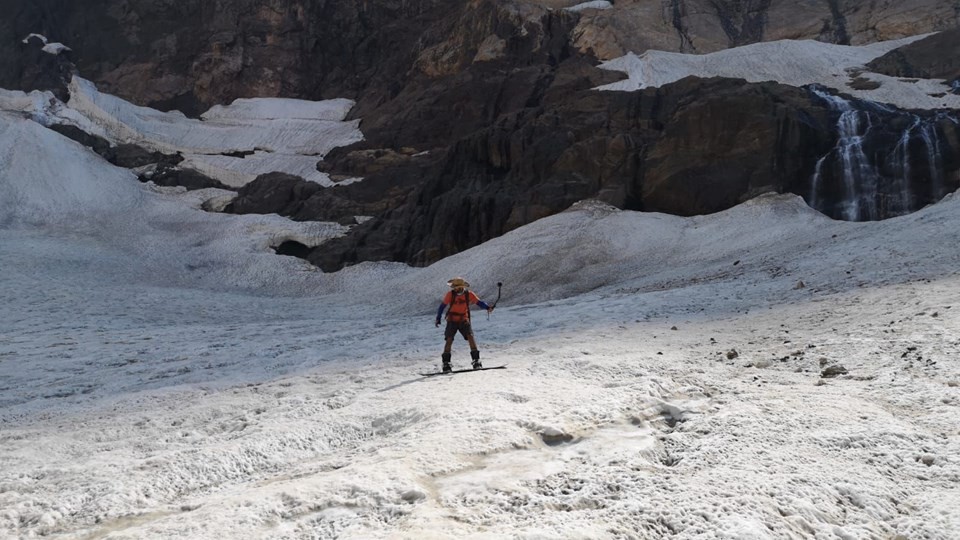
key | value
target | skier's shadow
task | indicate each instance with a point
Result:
(404, 383)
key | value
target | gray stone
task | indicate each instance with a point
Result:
(833, 371)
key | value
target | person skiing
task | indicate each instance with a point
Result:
(459, 299)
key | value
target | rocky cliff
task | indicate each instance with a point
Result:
(702, 26)
(480, 116)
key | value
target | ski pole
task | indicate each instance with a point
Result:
(499, 289)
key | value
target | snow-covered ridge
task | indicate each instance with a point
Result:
(290, 133)
(75, 186)
(284, 135)
(281, 135)
(51, 183)
(796, 63)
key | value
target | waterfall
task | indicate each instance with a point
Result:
(859, 175)
(900, 159)
(815, 183)
(930, 138)
(867, 182)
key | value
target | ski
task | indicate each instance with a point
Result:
(468, 370)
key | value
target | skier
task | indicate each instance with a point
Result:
(459, 299)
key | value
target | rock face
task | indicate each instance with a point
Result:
(579, 143)
(192, 54)
(703, 26)
(727, 141)
(480, 116)
(33, 68)
(935, 57)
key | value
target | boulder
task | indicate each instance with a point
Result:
(832, 371)
(272, 193)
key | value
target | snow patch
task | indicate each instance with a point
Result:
(171, 132)
(792, 62)
(41, 37)
(55, 48)
(246, 110)
(240, 171)
(596, 4)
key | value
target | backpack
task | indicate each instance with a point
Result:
(459, 309)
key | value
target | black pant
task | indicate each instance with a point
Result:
(453, 327)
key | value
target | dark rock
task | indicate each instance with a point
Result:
(166, 174)
(702, 26)
(934, 57)
(97, 144)
(131, 156)
(356, 161)
(727, 141)
(273, 193)
(293, 249)
(863, 83)
(218, 202)
(27, 67)
(191, 54)
(833, 371)
(123, 155)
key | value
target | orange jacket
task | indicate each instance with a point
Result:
(459, 305)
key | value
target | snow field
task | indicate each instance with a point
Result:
(590, 431)
(163, 374)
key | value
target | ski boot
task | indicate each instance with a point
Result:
(475, 354)
(446, 362)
